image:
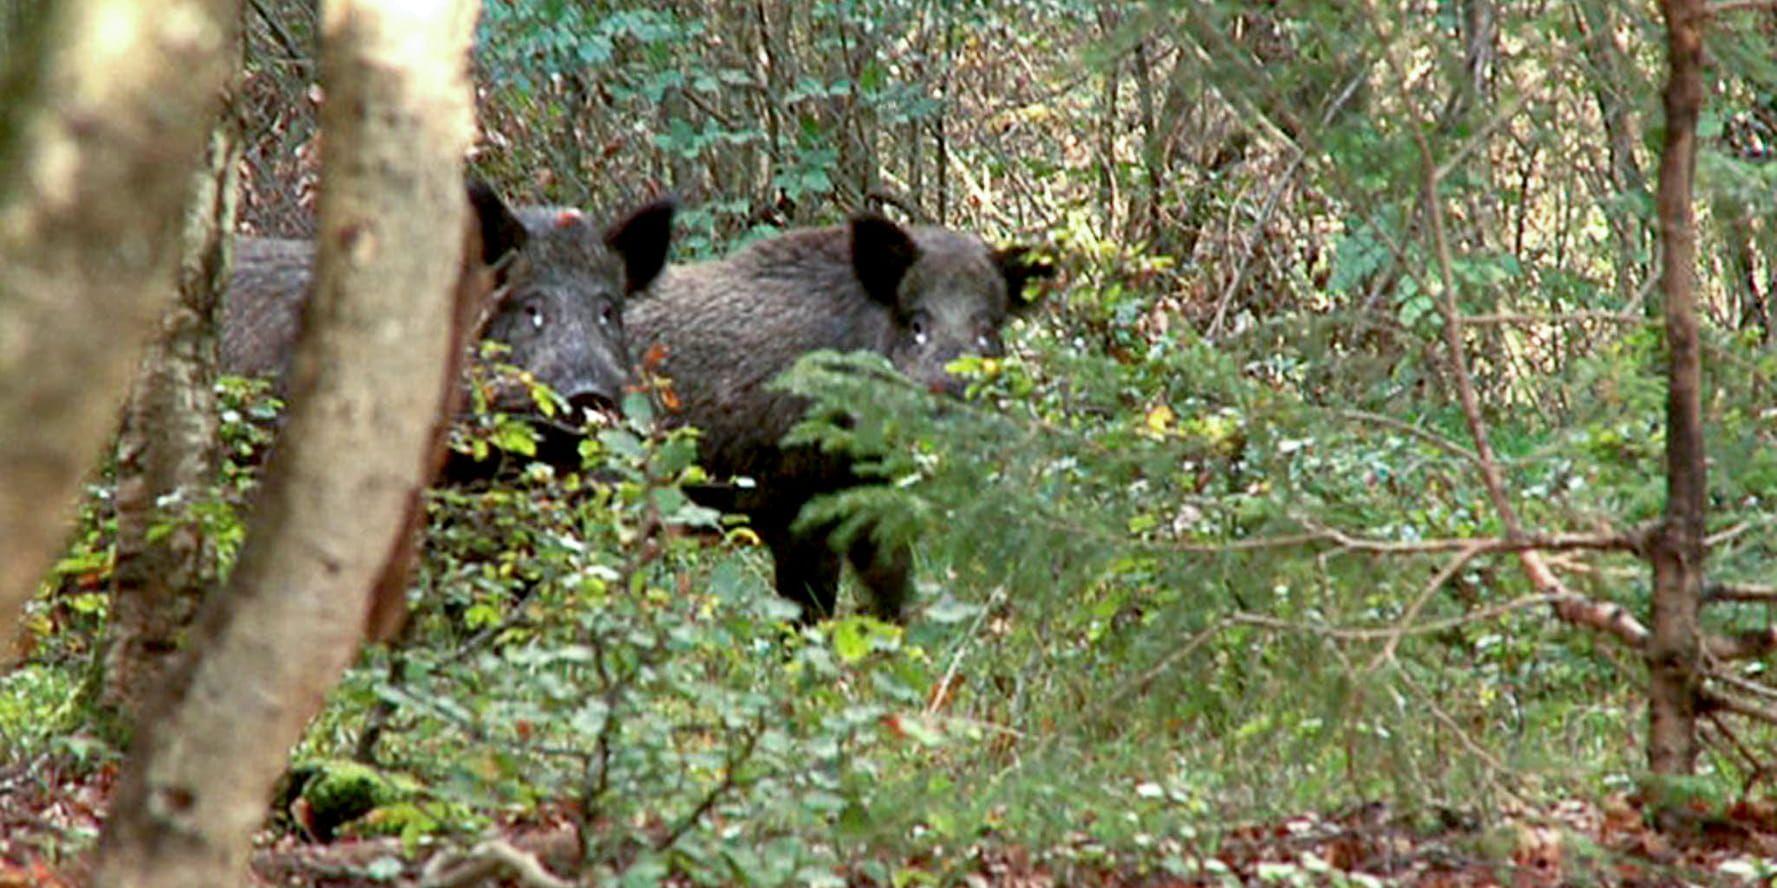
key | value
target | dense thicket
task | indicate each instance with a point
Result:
(1332, 472)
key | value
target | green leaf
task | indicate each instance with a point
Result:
(851, 639)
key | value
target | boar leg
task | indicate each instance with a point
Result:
(886, 571)
(807, 569)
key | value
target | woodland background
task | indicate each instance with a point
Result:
(1310, 532)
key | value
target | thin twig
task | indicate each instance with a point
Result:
(1412, 613)
(1250, 249)
(1148, 675)
(1476, 749)
(1518, 542)
(1728, 535)
(1743, 685)
(1381, 633)
(1751, 710)
(1426, 435)
(1566, 317)
(944, 689)
(280, 36)
(734, 760)
(1752, 762)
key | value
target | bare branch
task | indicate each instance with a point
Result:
(1604, 616)
(1726, 6)
(1556, 542)
(1437, 582)
(1743, 685)
(1742, 645)
(486, 863)
(1426, 435)
(1739, 592)
(1361, 633)
(1142, 681)
(1728, 535)
(1566, 317)
(1717, 700)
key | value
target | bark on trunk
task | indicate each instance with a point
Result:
(166, 449)
(365, 387)
(1677, 549)
(1612, 80)
(95, 163)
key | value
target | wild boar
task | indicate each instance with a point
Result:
(725, 329)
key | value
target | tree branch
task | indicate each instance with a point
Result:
(1738, 592)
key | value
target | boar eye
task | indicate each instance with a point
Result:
(536, 316)
(918, 328)
(983, 343)
(607, 315)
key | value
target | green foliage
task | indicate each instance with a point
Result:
(1188, 553)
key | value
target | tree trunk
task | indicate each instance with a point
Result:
(1677, 549)
(1144, 211)
(1612, 77)
(96, 148)
(365, 387)
(166, 449)
(1110, 18)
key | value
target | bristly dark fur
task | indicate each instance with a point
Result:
(922, 297)
(557, 267)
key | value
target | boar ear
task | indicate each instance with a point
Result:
(881, 253)
(641, 238)
(1020, 268)
(501, 232)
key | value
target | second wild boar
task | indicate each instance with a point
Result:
(558, 310)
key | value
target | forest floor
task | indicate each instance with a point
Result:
(51, 813)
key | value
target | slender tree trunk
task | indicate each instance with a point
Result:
(365, 386)
(1109, 19)
(1677, 549)
(940, 126)
(859, 123)
(96, 149)
(769, 81)
(1610, 80)
(166, 449)
(1738, 228)
(1144, 214)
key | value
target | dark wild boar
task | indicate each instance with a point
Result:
(921, 297)
(558, 310)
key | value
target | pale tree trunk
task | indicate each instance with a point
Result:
(1110, 18)
(101, 134)
(1613, 79)
(166, 448)
(366, 384)
(1677, 549)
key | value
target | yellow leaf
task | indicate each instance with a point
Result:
(1160, 419)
